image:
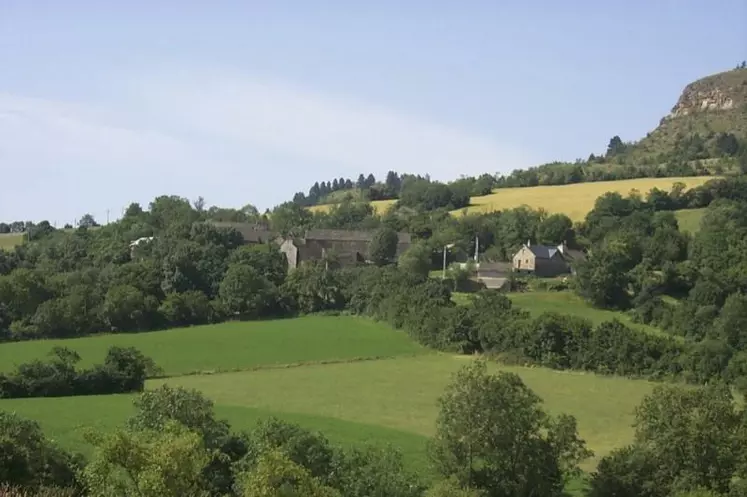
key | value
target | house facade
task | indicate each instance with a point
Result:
(541, 260)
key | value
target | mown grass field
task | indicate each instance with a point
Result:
(689, 219)
(569, 303)
(10, 240)
(565, 302)
(237, 345)
(305, 371)
(573, 200)
(386, 401)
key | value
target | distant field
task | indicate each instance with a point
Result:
(236, 345)
(380, 206)
(689, 219)
(387, 401)
(573, 200)
(10, 240)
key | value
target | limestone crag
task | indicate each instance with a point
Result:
(725, 91)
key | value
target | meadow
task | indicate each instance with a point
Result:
(388, 401)
(574, 200)
(10, 240)
(689, 219)
(236, 345)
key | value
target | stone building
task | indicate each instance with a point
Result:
(545, 260)
(346, 247)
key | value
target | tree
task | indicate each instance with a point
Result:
(383, 248)
(556, 229)
(275, 475)
(416, 259)
(361, 183)
(244, 292)
(126, 308)
(87, 221)
(492, 435)
(686, 440)
(27, 459)
(150, 463)
(155, 408)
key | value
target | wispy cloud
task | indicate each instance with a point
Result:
(347, 135)
(232, 139)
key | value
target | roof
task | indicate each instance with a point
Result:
(248, 231)
(543, 251)
(350, 235)
(574, 255)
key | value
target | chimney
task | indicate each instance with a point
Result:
(529, 242)
(562, 247)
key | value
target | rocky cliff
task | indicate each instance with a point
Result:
(719, 92)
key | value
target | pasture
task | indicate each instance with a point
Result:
(10, 240)
(388, 401)
(689, 219)
(236, 345)
(574, 200)
(569, 303)
(566, 302)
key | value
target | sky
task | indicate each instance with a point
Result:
(247, 102)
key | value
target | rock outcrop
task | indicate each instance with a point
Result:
(720, 92)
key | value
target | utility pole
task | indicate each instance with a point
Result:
(443, 275)
(107, 216)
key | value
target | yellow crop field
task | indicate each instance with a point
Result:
(572, 200)
(576, 200)
(380, 206)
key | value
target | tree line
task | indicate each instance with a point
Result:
(124, 370)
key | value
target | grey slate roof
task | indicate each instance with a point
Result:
(349, 235)
(543, 251)
(248, 231)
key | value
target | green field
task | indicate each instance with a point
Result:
(569, 303)
(689, 219)
(390, 400)
(10, 240)
(237, 345)
(563, 303)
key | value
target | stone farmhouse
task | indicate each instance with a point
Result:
(545, 260)
(346, 247)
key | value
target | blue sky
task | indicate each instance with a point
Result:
(104, 103)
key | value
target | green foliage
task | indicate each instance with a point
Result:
(245, 293)
(30, 461)
(152, 463)
(383, 248)
(277, 476)
(688, 442)
(124, 370)
(416, 260)
(493, 435)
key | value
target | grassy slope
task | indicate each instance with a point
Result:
(689, 219)
(569, 303)
(573, 200)
(10, 240)
(402, 393)
(232, 346)
(389, 401)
